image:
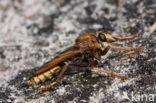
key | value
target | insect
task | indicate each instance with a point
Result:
(88, 48)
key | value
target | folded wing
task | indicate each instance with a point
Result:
(60, 58)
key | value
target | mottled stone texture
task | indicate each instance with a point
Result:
(34, 31)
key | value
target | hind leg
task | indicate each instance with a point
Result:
(61, 74)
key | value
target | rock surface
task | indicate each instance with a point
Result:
(34, 31)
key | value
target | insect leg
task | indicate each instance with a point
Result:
(62, 72)
(123, 39)
(111, 73)
(58, 78)
(127, 54)
(128, 48)
(105, 50)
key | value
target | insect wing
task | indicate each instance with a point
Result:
(61, 58)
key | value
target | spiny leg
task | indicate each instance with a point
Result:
(111, 73)
(123, 39)
(121, 49)
(127, 54)
(128, 48)
(57, 80)
(62, 72)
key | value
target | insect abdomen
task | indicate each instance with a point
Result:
(44, 76)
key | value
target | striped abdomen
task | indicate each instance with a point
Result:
(44, 76)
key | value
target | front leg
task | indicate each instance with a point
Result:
(128, 48)
(124, 39)
(121, 49)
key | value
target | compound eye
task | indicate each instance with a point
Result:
(102, 37)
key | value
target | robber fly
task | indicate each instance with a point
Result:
(88, 48)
